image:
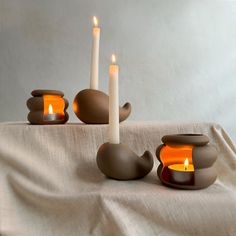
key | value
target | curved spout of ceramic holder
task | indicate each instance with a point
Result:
(203, 157)
(35, 104)
(92, 107)
(117, 161)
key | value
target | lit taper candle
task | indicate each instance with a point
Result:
(114, 132)
(95, 55)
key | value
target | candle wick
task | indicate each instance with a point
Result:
(185, 168)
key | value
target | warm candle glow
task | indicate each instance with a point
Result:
(186, 163)
(95, 21)
(182, 167)
(50, 109)
(53, 104)
(113, 58)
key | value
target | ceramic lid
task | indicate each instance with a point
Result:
(41, 92)
(185, 139)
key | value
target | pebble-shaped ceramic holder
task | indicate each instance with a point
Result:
(117, 161)
(92, 107)
(39, 106)
(201, 155)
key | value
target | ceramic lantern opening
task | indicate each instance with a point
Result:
(53, 104)
(177, 164)
(177, 157)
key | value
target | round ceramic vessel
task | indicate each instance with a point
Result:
(92, 107)
(37, 103)
(203, 155)
(117, 161)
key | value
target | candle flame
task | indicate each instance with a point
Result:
(95, 21)
(50, 109)
(186, 164)
(113, 58)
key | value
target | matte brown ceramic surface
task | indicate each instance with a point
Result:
(36, 107)
(40, 92)
(185, 139)
(117, 161)
(203, 157)
(38, 118)
(92, 107)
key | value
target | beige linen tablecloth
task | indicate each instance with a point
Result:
(50, 184)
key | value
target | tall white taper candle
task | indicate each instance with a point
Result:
(114, 131)
(95, 56)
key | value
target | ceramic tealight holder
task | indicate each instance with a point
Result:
(92, 107)
(117, 161)
(186, 161)
(47, 107)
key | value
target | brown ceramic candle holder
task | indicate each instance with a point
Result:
(117, 161)
(186, 161)
(92, 107)
(47, 107)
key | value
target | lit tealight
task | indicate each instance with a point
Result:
(182, 167)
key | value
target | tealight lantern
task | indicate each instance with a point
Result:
(47, 107)
(186, 161)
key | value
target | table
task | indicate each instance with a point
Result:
(50, 184)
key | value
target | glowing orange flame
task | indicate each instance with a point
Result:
(113, 58)
(95, 21)
(186, 163)
(50, 109)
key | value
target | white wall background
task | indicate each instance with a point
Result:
(177, 58)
